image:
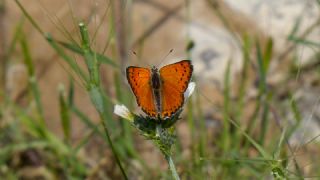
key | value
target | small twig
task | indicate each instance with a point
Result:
(237, 23)
(112, 147)
(162, 8)
(287, 51)
(157, 24)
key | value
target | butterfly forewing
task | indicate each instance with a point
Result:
(139, 80)
(175, 79)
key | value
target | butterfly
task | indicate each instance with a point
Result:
(160, 93)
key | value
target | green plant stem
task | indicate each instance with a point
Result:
(172, 168)
(95, 91)
(113, 148)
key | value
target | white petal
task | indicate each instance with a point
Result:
(189, 90)
(123, 111)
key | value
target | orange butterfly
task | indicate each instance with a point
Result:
(160, 93)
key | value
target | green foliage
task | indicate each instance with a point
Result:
(64, 115)
(247, 146)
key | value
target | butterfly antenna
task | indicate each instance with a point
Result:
(136, 55)
(162, 60)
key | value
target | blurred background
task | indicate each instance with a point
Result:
(256, 63)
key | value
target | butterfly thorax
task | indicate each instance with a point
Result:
(155, 78)
(156, 84)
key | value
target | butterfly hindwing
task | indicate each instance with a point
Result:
(175, 79)
(139, 80)
(172, 99)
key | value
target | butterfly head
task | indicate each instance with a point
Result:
(155, 79)
(154, 69)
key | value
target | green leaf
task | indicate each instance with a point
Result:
(296, 27)
(77, 49)
(87, 121)
(64, 114)
(71, 92)
(190, 45)
(226, 109)
(71, 62)
(268, 54)
(280, 144)
(260, 149)
(295, 109)
(32, 78)
(262, 69)
(304, 41)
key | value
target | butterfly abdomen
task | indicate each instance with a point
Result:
(156, 85)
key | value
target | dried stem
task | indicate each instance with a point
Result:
(3, 60)
(119, 12)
